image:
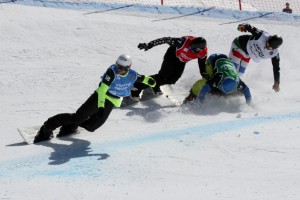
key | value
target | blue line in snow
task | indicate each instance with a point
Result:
(201, 130)
(18, 168)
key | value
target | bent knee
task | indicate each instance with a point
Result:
(198, 85)
(90, 129)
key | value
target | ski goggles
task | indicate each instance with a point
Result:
(268, 46)
(123, 68)
(195, 49)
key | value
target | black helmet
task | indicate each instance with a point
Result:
(275, 41)
(198, 44)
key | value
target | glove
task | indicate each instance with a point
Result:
(247, 95)
(249, 101)
(242, 27)
(276, 87)
(205, 76)
(144, 46)
(149, 81)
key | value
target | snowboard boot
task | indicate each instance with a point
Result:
(67, 130)
(129, 100)
(43, 134)
(190, 98)
(157, 91)
(135, 92)
(132, 99)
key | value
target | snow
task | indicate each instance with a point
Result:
(52, 60)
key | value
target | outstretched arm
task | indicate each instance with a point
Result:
(251, 29)
(178, 42)
(276, 72)
(245, 89)
(146, 80)
(202, 67)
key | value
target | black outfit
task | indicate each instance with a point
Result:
(88, 115)
(171, 69)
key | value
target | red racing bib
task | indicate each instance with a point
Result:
(184, 54)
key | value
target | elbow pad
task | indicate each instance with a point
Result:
(101, 91)
(149, 81)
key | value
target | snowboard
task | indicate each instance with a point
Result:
(148, 94)
(29, 133)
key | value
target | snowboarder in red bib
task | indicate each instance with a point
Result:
(181, 51)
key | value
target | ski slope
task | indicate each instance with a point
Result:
(51, 60)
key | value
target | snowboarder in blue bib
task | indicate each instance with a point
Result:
(115, 84)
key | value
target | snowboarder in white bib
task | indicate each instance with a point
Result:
(115, 84)
(258, 46)
(222, 79)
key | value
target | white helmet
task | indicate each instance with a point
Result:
(124, 60)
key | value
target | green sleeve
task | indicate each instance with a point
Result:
(101, 91)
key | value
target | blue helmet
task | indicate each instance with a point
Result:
(228, 85)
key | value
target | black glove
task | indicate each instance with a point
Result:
(149, 81)
(276, 87)
(205, 75)
(144, 46)
(244, 27)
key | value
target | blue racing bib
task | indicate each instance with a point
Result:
(122, 84)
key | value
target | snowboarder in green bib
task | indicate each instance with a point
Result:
(115, 84)
(222, 79)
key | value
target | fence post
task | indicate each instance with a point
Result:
(240, 4)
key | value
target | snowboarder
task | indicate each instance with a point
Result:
(222, 79)
(115, 84)
(257, 46)
(181, 51)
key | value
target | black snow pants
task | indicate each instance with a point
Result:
(88, 116)
(171, 70)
